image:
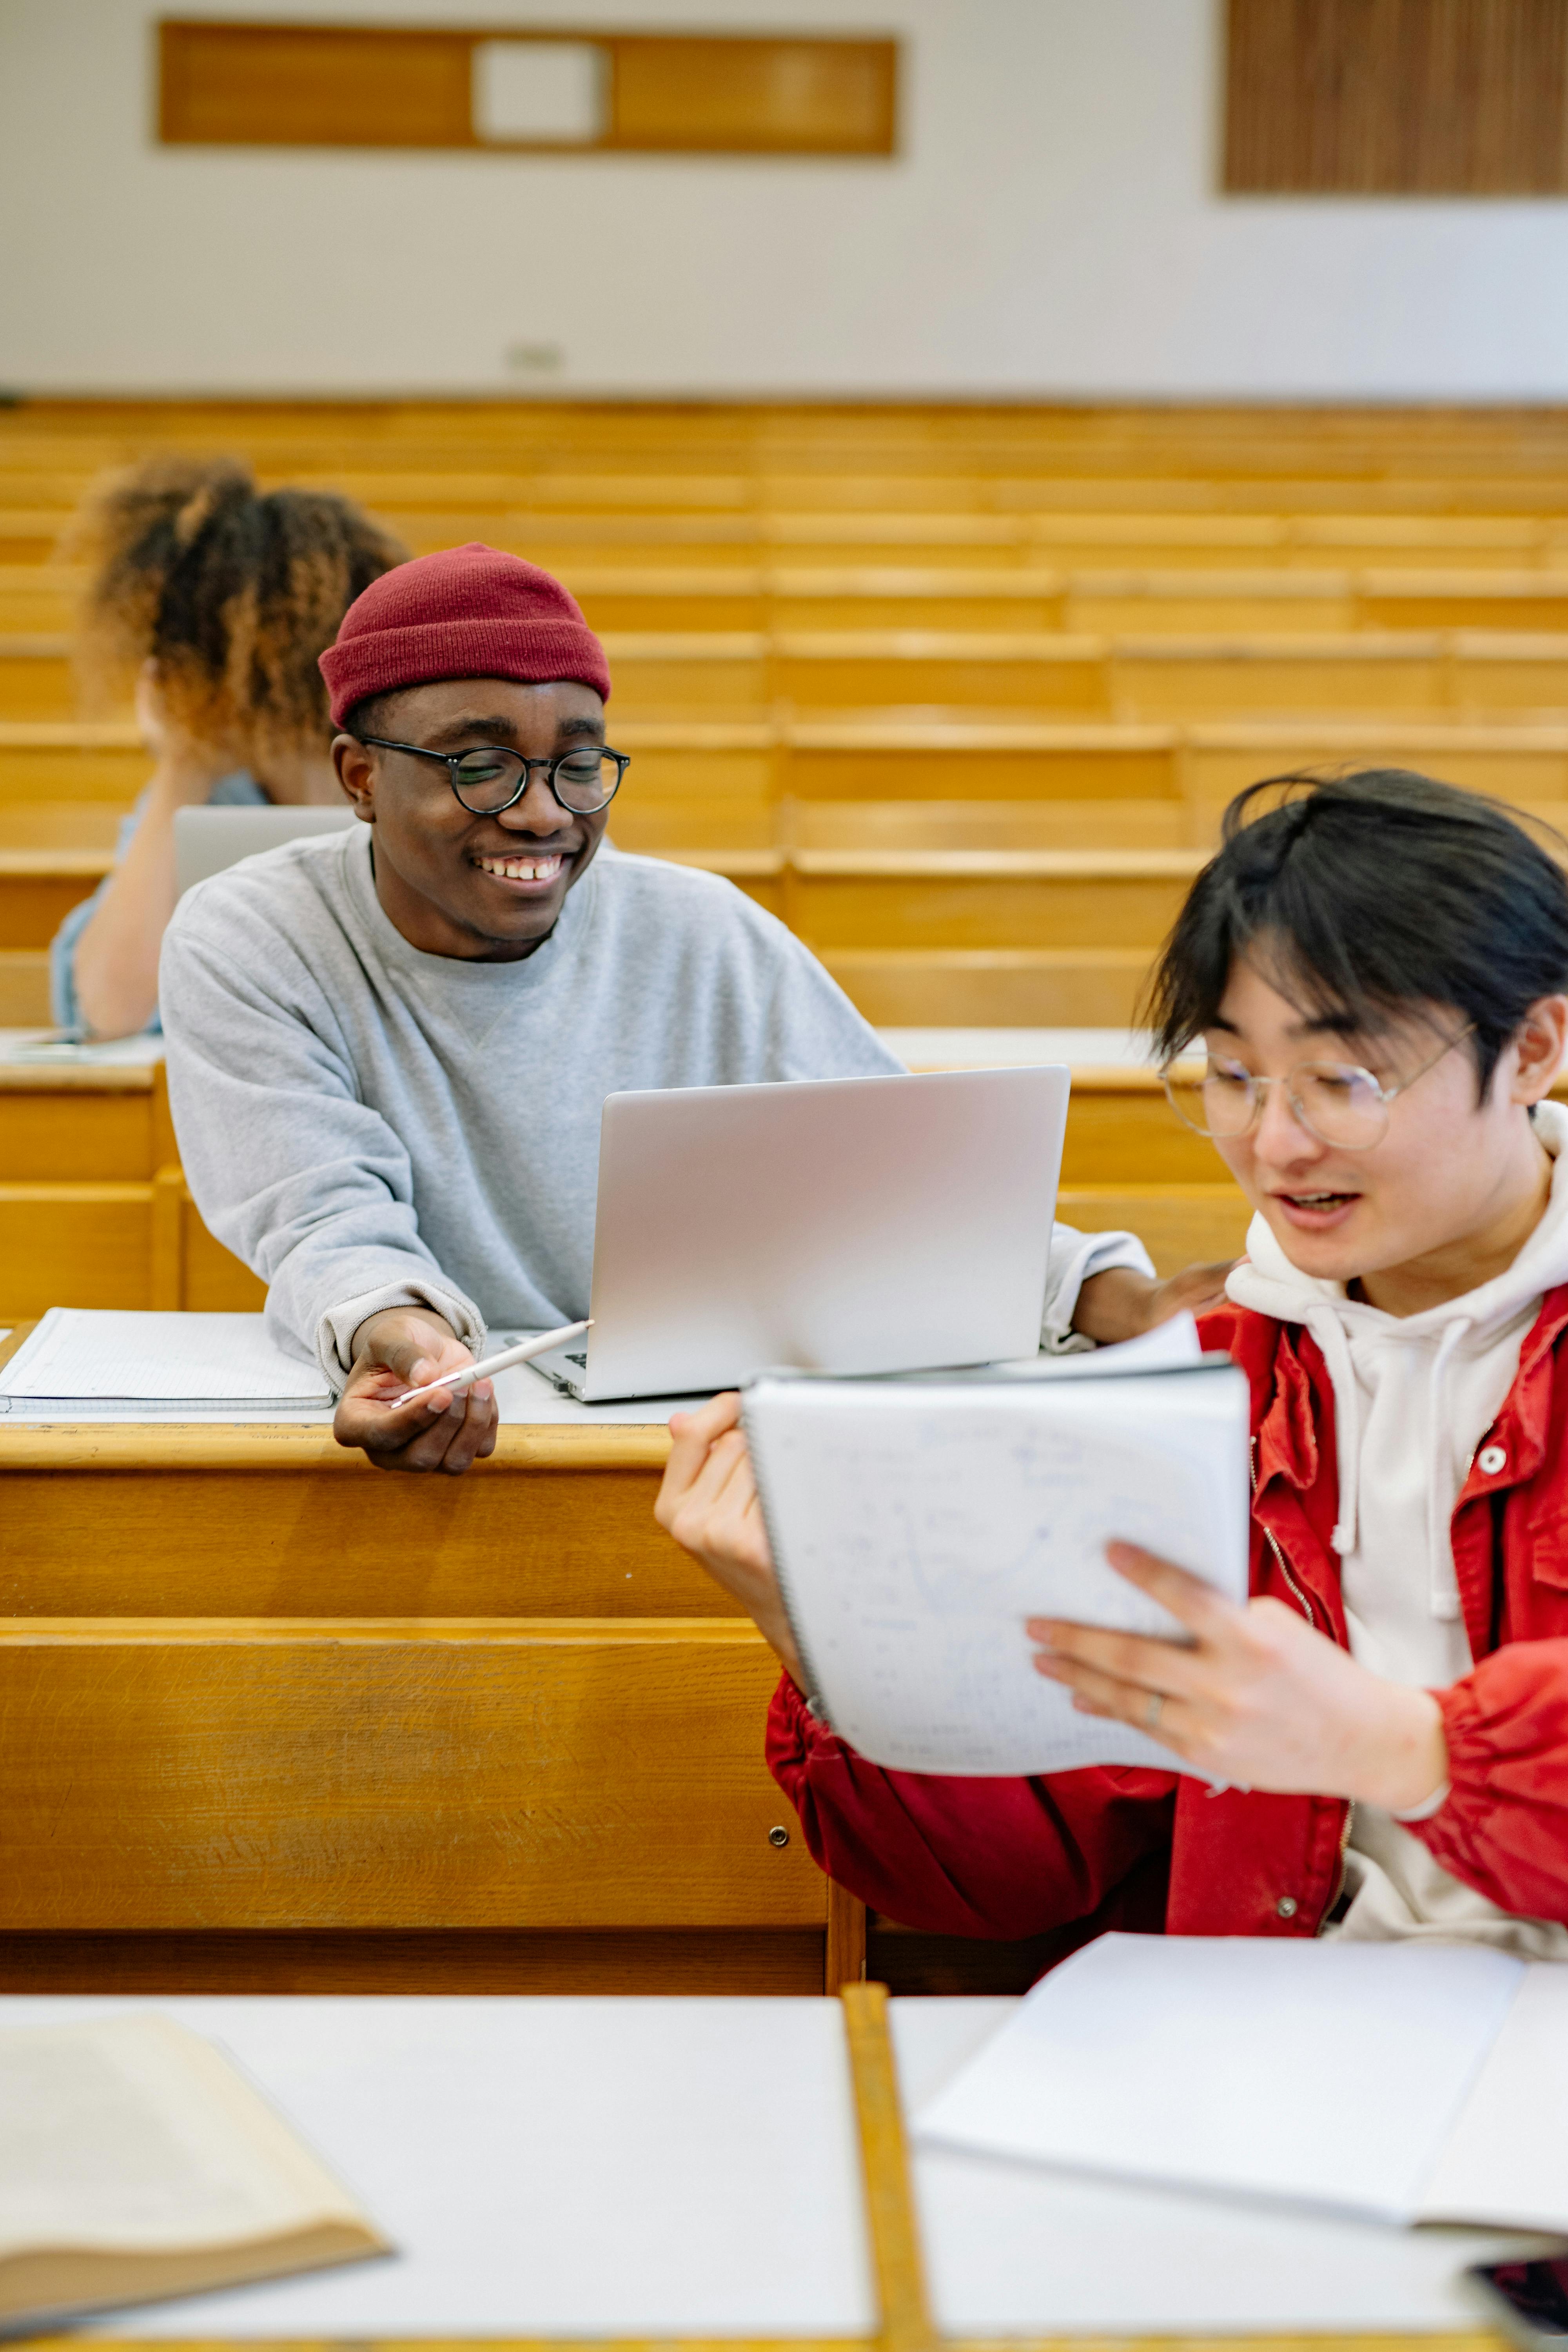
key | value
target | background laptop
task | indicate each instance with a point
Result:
(209, 840)
(837, 1225)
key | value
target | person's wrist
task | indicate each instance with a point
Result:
(1407, 1754)
(780, 1642)
(403, 1323)
(1114, 1305)
(185, 780)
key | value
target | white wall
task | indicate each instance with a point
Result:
(1051, 228)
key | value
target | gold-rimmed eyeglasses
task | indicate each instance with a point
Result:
(1338, 1102)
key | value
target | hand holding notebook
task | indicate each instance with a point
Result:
(917, 1524)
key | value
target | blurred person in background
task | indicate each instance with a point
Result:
(212, 600)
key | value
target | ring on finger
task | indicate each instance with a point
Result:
(1153, 1708)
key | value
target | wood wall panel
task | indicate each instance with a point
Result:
(312, 86)
(246, 85)
(1397, 98)
(788, 97)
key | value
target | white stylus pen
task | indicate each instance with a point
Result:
(521, 1354)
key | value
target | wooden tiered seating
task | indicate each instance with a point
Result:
(958, 693)
(94, 1208)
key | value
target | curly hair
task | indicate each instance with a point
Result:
(232, 591)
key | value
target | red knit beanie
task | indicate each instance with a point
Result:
(470, 612)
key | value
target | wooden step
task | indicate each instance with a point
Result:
(992, 988)
(24, 988)
(1179, 1225)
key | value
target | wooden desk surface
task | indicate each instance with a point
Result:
(253, 1520)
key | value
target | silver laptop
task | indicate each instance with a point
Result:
(209, 841)
(838, 1225)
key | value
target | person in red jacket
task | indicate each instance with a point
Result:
(1364, 1003)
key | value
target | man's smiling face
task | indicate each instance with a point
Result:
(485, 889)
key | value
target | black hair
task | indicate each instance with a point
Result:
(1368, 897)
(372, 716)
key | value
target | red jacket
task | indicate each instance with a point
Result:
(1083, 1851)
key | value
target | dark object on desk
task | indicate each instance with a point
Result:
(1528, 2301)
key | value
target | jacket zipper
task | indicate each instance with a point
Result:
(1272, 1541)
(1312, 1616)
(1329, 1907)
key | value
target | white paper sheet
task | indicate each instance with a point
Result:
(1016, 2249)
(125, 1358)
(680, 2167)
(58, 1048)
(1507, 2157)
(525, 1396)
(631, 2168)
(1327, 2075)
(916, 1525)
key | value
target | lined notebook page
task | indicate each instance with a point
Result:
(916, 1525)
(103, 1355)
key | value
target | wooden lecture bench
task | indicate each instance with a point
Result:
(626, 600)
(94, 1208)
(743, 676)
(64, 783)
(271, 1720)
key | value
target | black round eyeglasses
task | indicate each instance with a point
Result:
(491, 779)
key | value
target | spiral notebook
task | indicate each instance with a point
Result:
(916, 1522)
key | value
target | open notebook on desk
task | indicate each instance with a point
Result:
(1405, 2083)
(917, 1522)
(122, 1365)
(52, 1050)
(136, 1367)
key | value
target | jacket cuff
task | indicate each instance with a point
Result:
(1503, 1828)
(335, 1331)
(1073, 1257)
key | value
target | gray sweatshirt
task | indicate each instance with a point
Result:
(368, 1126)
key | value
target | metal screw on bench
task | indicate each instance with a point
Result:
(778, 1835)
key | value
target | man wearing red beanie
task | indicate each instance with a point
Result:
(388, 1048)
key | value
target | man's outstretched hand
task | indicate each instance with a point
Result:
(404, 1348)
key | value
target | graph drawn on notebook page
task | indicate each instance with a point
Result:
(917, 1533)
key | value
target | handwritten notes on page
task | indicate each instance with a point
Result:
(916, 1525)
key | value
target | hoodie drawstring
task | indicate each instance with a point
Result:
(1330, 1334)
(1442, 1584)
(1327, 1329)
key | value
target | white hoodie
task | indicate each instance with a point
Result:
(1414, 1396)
